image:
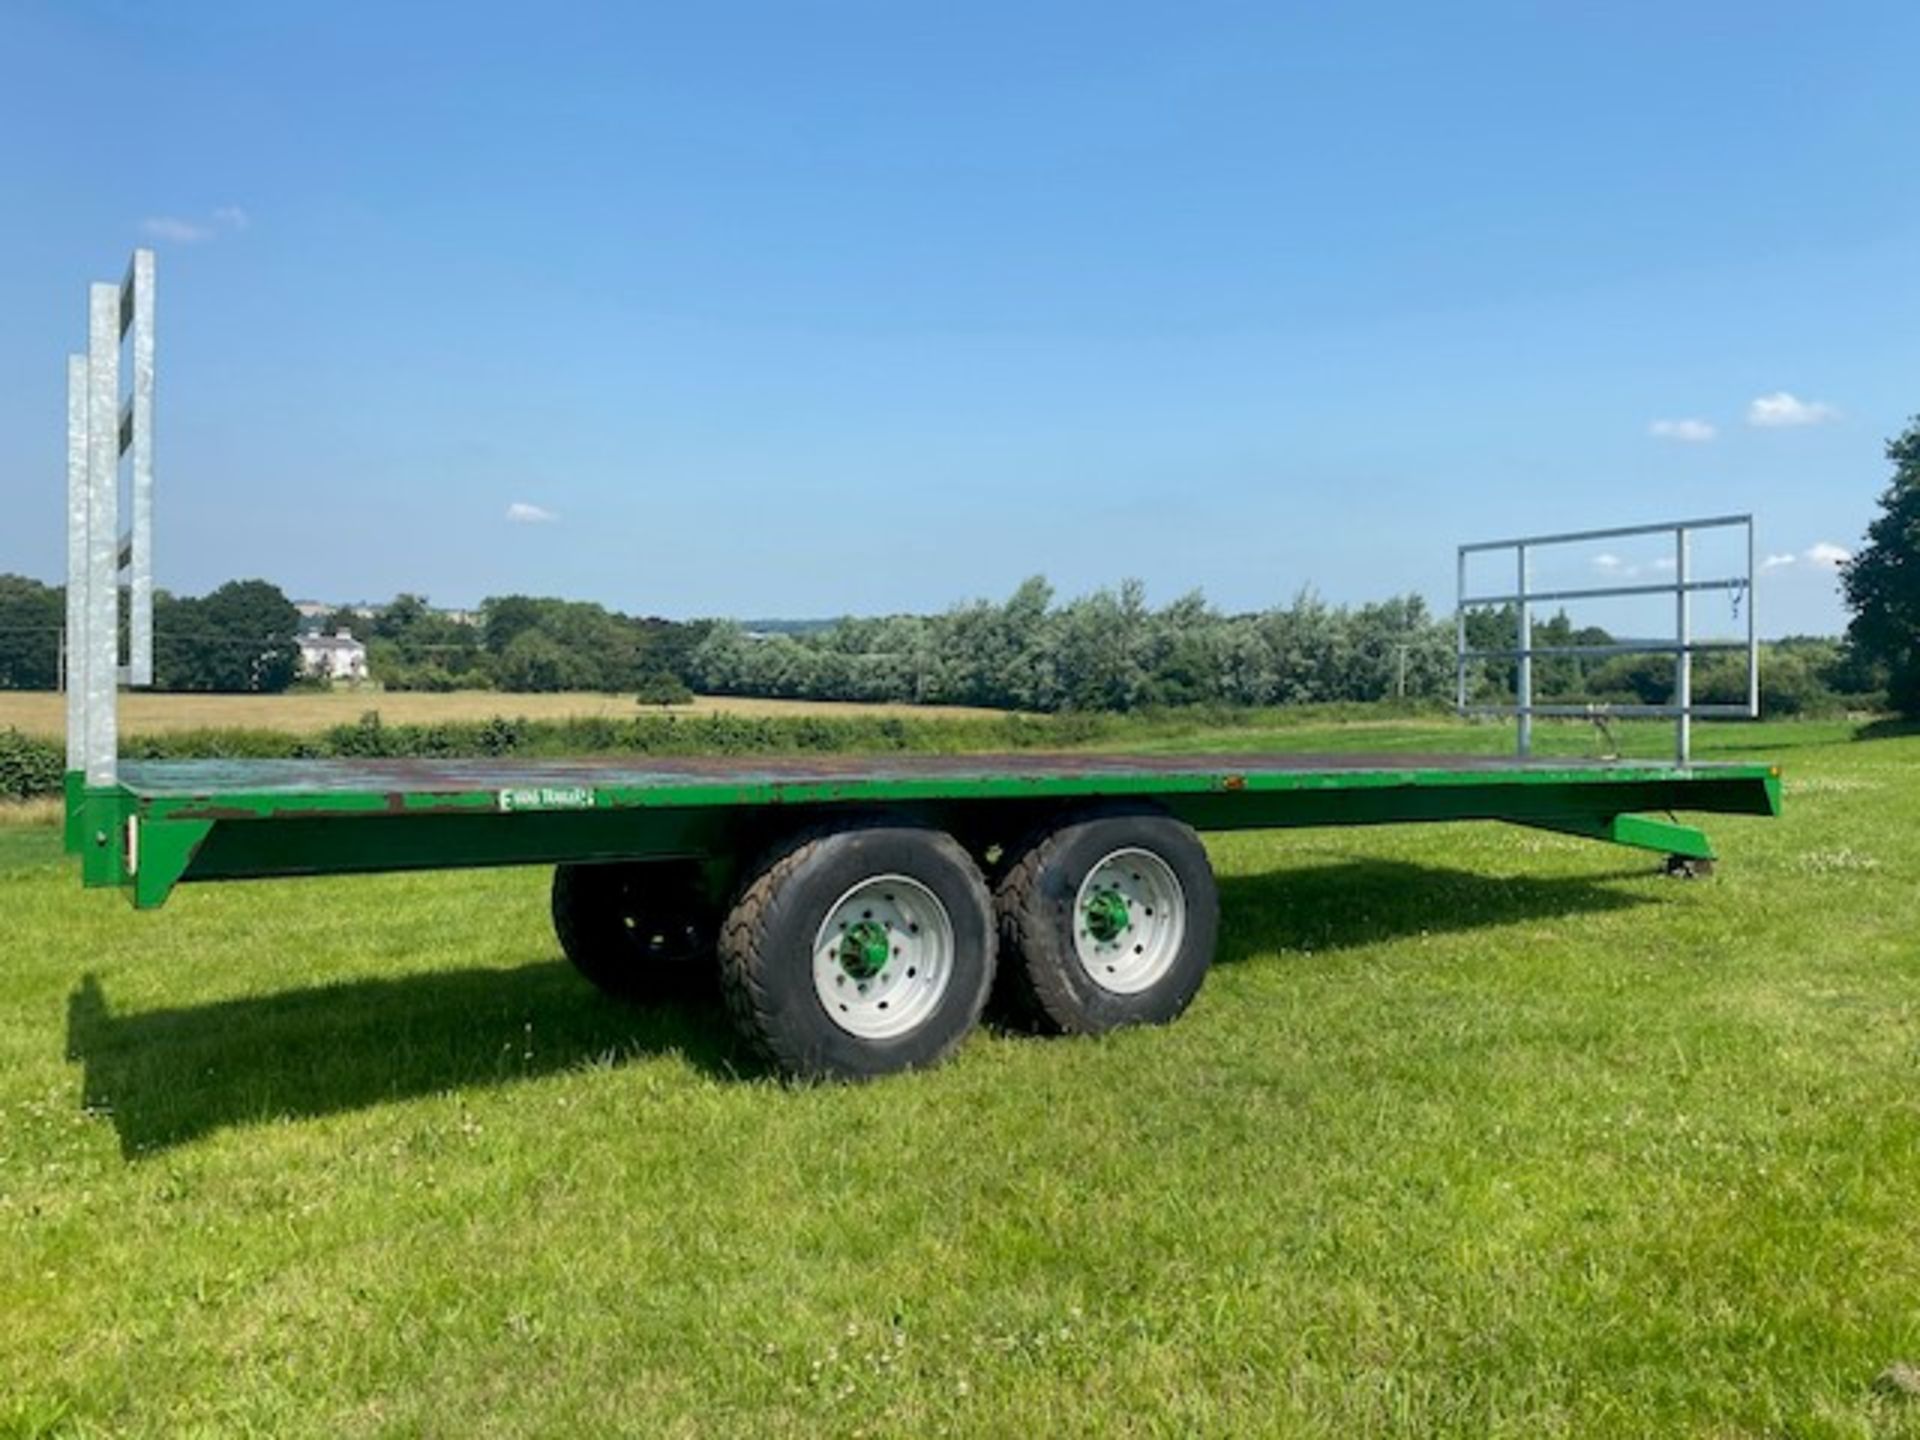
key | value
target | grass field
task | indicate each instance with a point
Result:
(1474, 1132)
(37, 712)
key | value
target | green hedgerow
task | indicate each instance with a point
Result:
(29, 766)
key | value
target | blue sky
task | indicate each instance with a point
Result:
(803, 309)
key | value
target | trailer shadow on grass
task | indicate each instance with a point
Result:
(165, 1077)
(1355, 902)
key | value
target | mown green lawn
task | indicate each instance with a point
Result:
(1474, 1131)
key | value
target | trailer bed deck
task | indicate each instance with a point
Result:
(171, 821)
(960, 774)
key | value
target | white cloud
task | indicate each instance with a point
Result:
(1780, 411)
(1821, 555)
(179, 231)
(521, 513)
(175, 230)
(1609, 563)
(1687, 432)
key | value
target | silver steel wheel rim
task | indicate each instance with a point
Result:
(1126, 957)
(874, 998)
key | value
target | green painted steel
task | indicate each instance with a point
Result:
(1640, 832)
(1107, 917)
(148, 842)
(865, 950)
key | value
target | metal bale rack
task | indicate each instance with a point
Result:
(1683, 645)
(844, 901)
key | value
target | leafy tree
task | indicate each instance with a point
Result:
(667, 648)
(505, 617)
(604, 651)
(32, 616)
(1882, 582)
(1634, 680)
(396, 619)
(238, 638)
(534, 661)
(413, 648)
(661, 688)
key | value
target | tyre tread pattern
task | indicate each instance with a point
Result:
(1014, 893)
(743, 944)
(744, 949)
(1031, 990)
(571, 923)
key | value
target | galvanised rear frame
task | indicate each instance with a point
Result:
(1085, 847)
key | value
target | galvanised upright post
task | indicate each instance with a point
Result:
(1753, 635)
(1523, 684)
(1460, 631)
(136, 315)
(78, 654)
(1683, 651)
(103, 535)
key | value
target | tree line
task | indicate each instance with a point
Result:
(240, 637)
(1110, 651)
(529, 644)
(244, 637)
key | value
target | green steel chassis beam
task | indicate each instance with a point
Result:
(147, 844)
(1641, 832)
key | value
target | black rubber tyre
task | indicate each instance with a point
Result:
(1044, 979)
(640, 931)
(767, 943)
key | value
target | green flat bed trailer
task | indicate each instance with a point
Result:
(858, 912)
(848, 899)
(170, 822)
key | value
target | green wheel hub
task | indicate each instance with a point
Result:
(865, 950)
(884, 957)
(1132, 921)
(1107, 915)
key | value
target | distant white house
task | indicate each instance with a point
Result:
(333, 657)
